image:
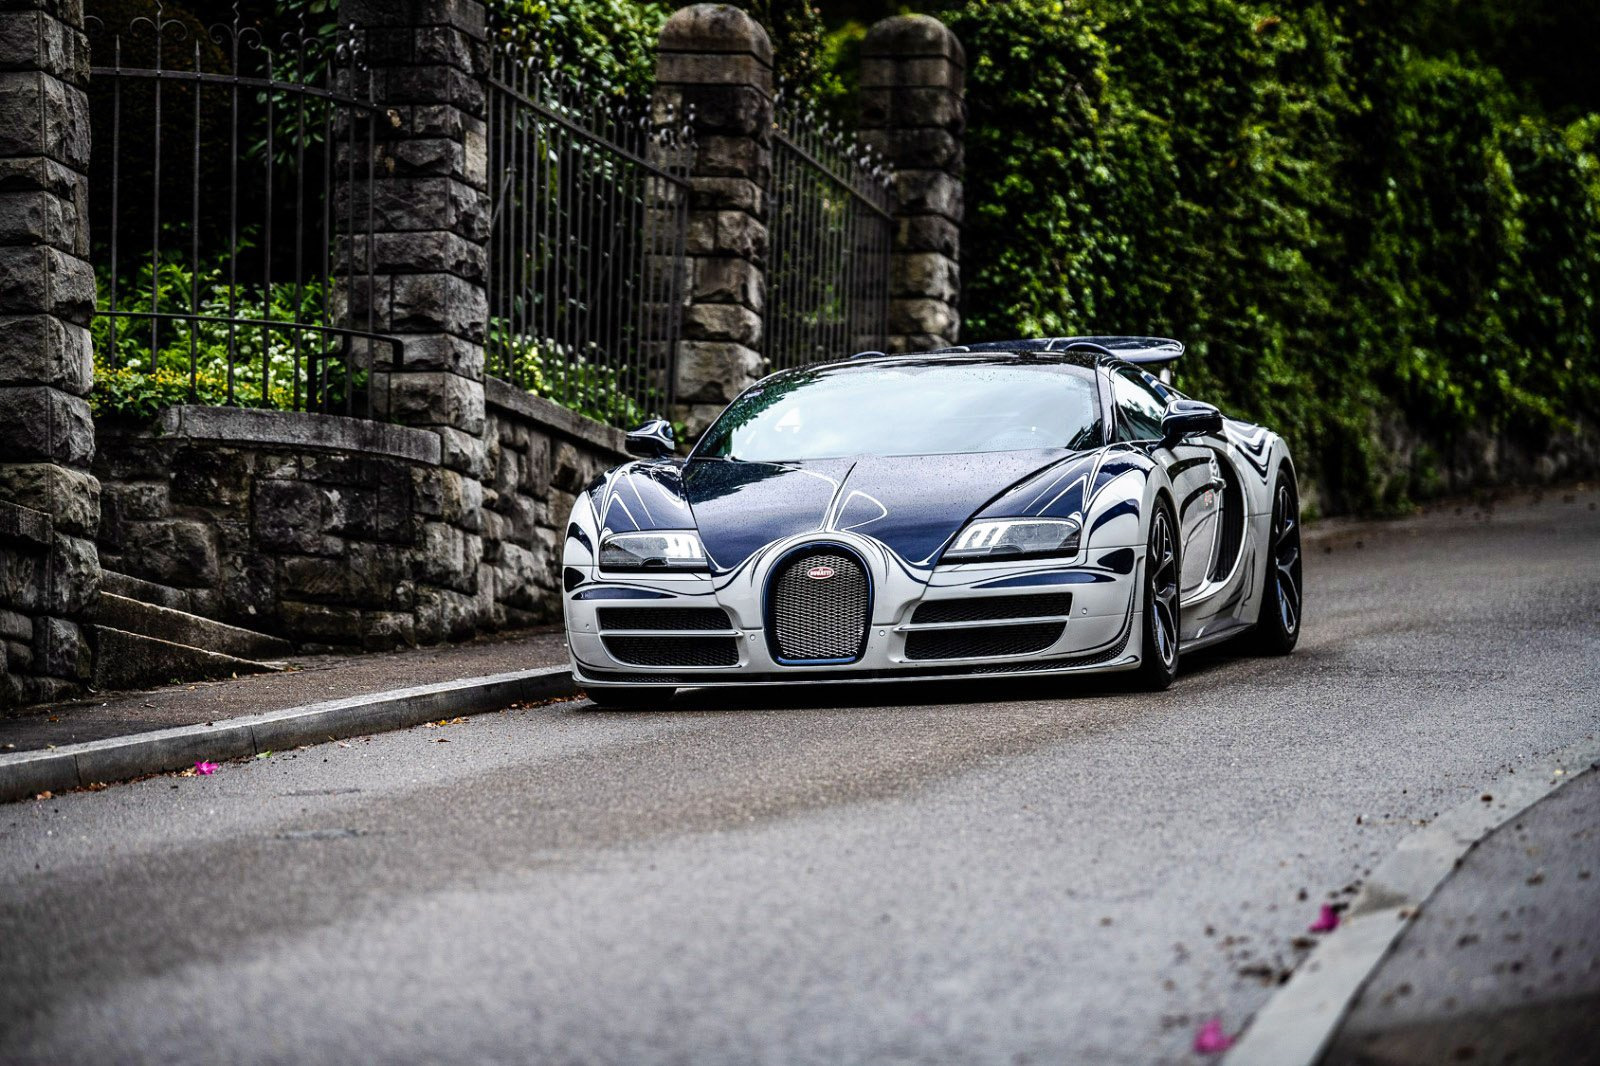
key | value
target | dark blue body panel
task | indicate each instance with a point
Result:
(912, 504)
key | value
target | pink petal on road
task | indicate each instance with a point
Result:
(205, 769)
(1327, 920)
(1211, 1040)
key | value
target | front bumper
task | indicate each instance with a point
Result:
(1097, 632)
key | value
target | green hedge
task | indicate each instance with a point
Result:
(1361, 241)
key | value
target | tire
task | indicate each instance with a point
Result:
(1277, 630)
(1158, 663)
(629, 699)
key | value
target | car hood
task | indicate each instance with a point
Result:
(912, 504)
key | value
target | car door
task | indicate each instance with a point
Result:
(1190, 464)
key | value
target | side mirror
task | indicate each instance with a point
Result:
(1186, 418)
(654, 439)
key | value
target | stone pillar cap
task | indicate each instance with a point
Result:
(715, 28)
(912, 36)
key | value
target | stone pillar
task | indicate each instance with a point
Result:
(49, 503)
(431, 201)
(913, 71)
(715, 69)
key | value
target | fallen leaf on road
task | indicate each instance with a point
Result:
(1327, 920)
(205, 769)
(444, 721)
(46, 794)
(1211, 1040)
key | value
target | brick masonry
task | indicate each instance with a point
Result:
(431, 207)
(714, 67)
(913, 74)
(49, 502)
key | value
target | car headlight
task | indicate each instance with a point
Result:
(1014, 538)
(669, 549)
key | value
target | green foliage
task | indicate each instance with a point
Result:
(1354, 233)
(796, 30)
(550, 369)
(271, 365)
(615, 39)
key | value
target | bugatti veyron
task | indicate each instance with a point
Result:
(1038, 507)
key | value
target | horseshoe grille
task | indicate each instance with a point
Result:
(819, 617)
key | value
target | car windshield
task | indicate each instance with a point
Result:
(931, 407)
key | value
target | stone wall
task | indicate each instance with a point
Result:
(322, 529)
(427, 59)
(714, 68)
(341, 532)
(49, 504)
(913, 75)
(540, 456)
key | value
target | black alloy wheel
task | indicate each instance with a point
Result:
(1161, 611)
(1278, 628)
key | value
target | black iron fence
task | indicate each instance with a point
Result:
(586, 246)
(830, 234)
(217, 151)
(232, 196)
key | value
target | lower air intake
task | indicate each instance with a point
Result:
(613, 619)
(982, 643)
(674, 651)
(986, 608)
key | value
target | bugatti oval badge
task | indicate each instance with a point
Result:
(820, 573)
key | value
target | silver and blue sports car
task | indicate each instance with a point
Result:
(1028, 507)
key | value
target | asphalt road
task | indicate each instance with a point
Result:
(978, 873)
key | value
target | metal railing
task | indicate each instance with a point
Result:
(586, 243)
(829, 236)
(217, 154)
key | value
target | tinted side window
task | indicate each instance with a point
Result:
(1139, 407)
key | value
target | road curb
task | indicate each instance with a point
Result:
(28, 773)
(1297, 1023)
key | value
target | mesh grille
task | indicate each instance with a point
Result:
(674, 651)
(687, 618)
(820, 618)
(993, 607)
(972, 643)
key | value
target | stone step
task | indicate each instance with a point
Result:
(130, 660)
(179, 627)
(137, 588)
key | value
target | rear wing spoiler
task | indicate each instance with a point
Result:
(1140, 350)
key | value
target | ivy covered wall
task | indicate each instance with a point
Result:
(1385, 246)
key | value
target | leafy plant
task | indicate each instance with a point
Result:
(1373, 243)
(613, 39)
(145, 363)
(575, 380)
